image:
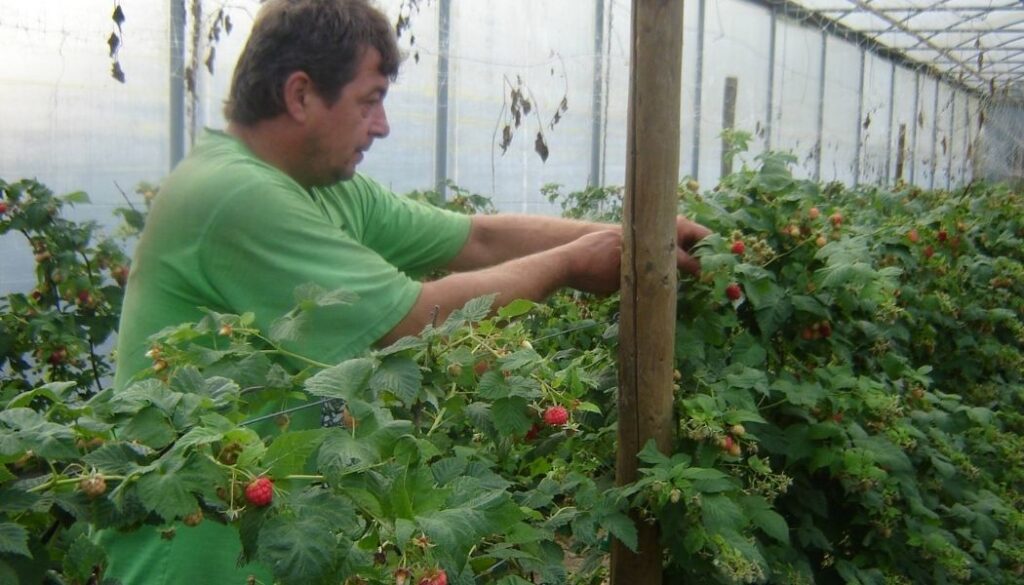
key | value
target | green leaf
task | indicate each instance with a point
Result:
(621, 527)
(311, 295)
(509, 416)
(83, 556)
(459, 528)
(14, 539)
(115, 458)
(150, 427)
(346, 380)
(748, 351)
(44, 438)
(289, 452)
(721, 514)
(516, 308)
(168, 491)
(289, 328)
(297, 550)
(768, 520)
(475, 310)
(400, 376)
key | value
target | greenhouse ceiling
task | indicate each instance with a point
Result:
(977, 43)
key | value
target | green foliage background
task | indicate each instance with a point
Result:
(855, 417)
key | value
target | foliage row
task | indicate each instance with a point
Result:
(848, 394)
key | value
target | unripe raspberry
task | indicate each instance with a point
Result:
(260, 492)
(814, 213)
(738, 430)
(93, 486)
(556, 416)
(193, 519)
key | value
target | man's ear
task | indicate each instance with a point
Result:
(298, 90)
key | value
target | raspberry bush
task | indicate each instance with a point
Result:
(853, 415)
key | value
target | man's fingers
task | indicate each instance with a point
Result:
(687, 263)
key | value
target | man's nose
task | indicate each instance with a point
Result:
(380, 127)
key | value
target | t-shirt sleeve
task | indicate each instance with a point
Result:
(414, 236)
(264, 241)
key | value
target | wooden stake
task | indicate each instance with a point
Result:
(648, 311)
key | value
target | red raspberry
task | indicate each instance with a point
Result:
(260, 492)
(556, 416)
(733, 292)
(434, 577)
(533, 433)
(3, 207)
(738, 248)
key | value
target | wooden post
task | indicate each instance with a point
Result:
(648, 311)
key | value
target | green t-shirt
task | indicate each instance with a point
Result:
(231, 233)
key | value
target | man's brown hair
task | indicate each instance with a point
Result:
(324, 38)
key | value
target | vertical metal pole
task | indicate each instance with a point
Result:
(697, 98)
(892, 112)
(596, 120)
(177, 82)
(441, 129)
(968, 141)
(771, 79)
(914, 126)
(860, 119)
(728, 121)
(647, 324)
(935, 136)
(820, 145)
(949, 141)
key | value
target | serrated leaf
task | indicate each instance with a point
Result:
(15, 501)
(475, 310)
(289, 327)
(44, 438)
(168, 491)
(721, 514)
(297, 550)
(400, 376)
(82, 557)
(404, 344)
(346, 380)
(312, 295)
(509, 416)
(14, 539)
(115, 459)
(150, 427)
(448, 469)
(458, 529)
(289, 452)
(622, 528)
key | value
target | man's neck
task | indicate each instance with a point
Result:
(275, 142)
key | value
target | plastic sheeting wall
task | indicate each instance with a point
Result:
(834, 104)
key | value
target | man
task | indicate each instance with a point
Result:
(275, 202)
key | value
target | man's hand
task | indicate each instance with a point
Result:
(595, 261)
(688, 233)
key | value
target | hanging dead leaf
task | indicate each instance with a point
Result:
(506, 138)
(116, 72)
(541, 147)
(115, 42)
(118, 15)
(920, 119)
(227, 24)
(209, 59)
(564, 106)
(867, 121)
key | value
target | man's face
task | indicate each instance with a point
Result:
(342, 132)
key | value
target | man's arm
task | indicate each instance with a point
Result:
(494, 239)
(589, 263)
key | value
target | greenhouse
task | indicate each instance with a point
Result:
(589, 291)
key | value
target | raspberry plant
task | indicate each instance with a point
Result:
(853, 415)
